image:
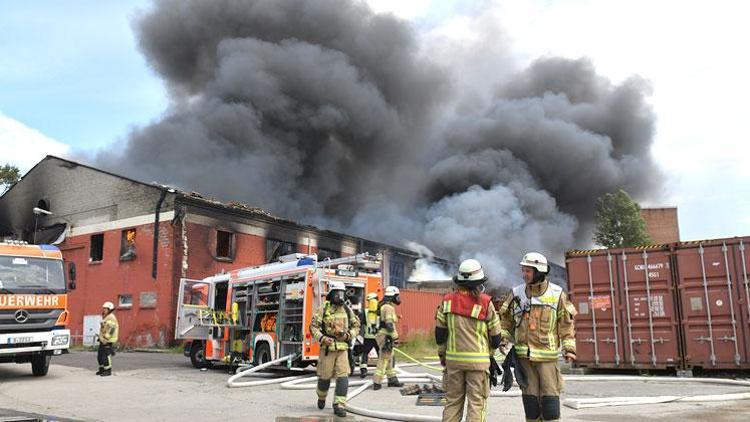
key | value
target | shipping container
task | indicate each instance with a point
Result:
(417, 312)
(627, 316)
(713, 301)
(683, 305)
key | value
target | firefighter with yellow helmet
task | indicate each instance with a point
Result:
(467, 331)
(538, 318)
(372, 326)
(334, 327)
(108, 332)
(387, 339)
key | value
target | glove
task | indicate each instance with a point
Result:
(504, 344)
(326, 341)
(396, 342)
(570, 357)
(494, 371)
(442, 360)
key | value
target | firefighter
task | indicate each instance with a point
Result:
(467, 331)
(371, 330)
(538, 318)
(107, 338)
(334, 327)
(387, 339)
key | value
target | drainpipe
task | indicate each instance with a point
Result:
(157, 211)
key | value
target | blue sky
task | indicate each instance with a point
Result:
(72, 70)
(72, 79)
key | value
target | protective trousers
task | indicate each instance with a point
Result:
(104, 356)
(333, 364)
(473, 387)
(385, 367)
(369, 344)
(541, 399)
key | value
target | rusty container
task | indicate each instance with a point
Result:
(627, 314)
(592, 281)
(417, 312)
(714, 298)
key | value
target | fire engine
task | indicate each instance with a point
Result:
(33, 305)
(258, 314)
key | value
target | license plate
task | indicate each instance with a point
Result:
(17, 340)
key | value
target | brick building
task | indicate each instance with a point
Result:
(662, 224)
(131, 242)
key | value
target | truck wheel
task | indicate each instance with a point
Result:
(198, 355)
(40, 364)
(262, 354)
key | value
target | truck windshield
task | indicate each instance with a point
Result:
(31, 275)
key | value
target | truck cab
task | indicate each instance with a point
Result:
(33, 305)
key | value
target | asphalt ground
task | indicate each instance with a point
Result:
(165, 387)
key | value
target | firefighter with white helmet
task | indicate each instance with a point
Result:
(371, 327)
(467, 331)
(334, 327)
(538, 318)
(108, 332)
(387, 339)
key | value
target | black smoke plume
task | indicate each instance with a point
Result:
(328, 113)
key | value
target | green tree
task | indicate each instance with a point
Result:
(9, 175)
(618, 221)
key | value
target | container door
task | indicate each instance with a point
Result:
(709, 297)
(193, 310)
(592, 281)
(742, 265)
(650, 331)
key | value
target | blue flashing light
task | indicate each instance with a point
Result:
(305, 261)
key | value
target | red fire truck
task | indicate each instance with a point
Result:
(258, 314)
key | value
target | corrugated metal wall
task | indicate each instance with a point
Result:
(417, 312)
(683, 305)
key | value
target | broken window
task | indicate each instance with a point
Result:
(396, 273)
(127, 245)
(324, 253)
(124, 301)
(224, 245)
(96, 249)
(42, 204)
(276, 248)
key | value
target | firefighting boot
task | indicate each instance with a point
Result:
(376, 386)
(394, 382)
(99, 372)
(363, 372)
(321, 404)
(106, 373)
(339, 410)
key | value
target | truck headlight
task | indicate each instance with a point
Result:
(61, 340)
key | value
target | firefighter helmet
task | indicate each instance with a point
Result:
(372, 295)
(108, 305)
(391, 291)
(470, 274)
(535, 260)
(336, 285)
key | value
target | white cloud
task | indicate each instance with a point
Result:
(23, 146)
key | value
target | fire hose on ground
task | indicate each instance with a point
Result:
(308, 382)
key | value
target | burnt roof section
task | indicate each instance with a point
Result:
(231, 207)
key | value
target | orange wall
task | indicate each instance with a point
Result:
(417, 312)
